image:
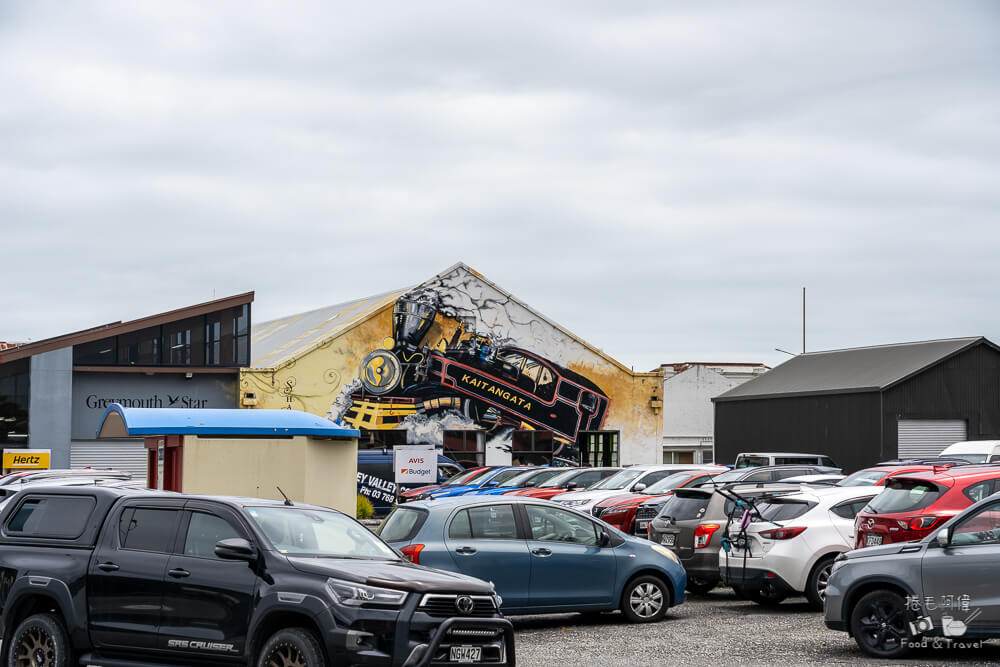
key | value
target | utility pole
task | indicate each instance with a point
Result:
(803, 320)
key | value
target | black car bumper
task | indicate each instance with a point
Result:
(752, 578)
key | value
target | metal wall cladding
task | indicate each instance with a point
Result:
(860, 429)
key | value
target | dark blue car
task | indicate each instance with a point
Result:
(541, 557)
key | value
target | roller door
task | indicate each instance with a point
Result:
(125, 455)
(924, 438)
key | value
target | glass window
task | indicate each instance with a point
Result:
(751, 461)
(761, 476)
(14, 403)
(141, 348)
(502, 477)
(904, 496)
(619, 480)
(783, 510)
(299, 531)
(654, 477)
(147, 529)
(851, 509)
(184, 342)
(63, 518)
(863, 478)
(227, 337)
(686, 507)
(402, 524)
(789, 472)
(551, 524)
(983, 527)
(979, 490)
(96, 353)
(490, 522)
(204, 530)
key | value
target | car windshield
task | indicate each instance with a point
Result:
(533, 476)
(560, 479)
(300, 531)
(619, 480)
(971, 458)
(505, 476)
(903, 496)
(863, 478)
(730, 476)
(467, 477)
(687, 507)
(668, 483)
(751, 461)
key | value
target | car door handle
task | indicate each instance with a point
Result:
(179, 573)
(542, 551)
(465, 550)
(107, 567)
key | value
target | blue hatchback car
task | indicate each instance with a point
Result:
(540, 556)
(490, 480)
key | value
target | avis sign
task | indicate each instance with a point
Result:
(26, 459)
(415, 464)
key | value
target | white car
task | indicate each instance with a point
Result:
(790, 547)
(633, 479)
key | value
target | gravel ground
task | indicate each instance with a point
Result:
(716, 629)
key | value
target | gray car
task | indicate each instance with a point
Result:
(893, 598)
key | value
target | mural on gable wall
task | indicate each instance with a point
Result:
(458, 357)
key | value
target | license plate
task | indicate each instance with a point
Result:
(466, 654)
(642, 526)
(873, 540)
(668, 540)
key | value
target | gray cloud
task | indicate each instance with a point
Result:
(662, 179)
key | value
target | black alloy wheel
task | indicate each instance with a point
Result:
(291, 647)
(879, 624)
(40, 641)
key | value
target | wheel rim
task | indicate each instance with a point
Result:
(883, 625)
(823, 580)
(286, 655)
(35, 648)
(646, 600)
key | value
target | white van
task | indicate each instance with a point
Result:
(756, 459)
(973, 451)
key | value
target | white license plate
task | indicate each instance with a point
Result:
(668, 540)
(466, 654)
(642, 526)
(873, 540)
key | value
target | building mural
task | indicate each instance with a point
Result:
(455, 352)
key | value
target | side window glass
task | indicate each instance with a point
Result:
(979, 491)
(551, 524)
(492, 522)
(150, 529)
(654, 477)
(584, 480)
(204, 530)
(843, 511)
(980, 528)
(762, 476)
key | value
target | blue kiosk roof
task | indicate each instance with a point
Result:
(121, 422)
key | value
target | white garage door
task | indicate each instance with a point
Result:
(125, 455)
(923, 438)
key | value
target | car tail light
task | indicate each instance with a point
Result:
(782, 533)
(412, 552)
(923, 522)
(703, 534)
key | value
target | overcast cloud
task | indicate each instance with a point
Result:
(662, 178)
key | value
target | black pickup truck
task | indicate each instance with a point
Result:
(109, 576)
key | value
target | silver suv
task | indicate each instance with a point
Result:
(893, 598)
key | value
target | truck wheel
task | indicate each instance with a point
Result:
(40, 641)
(291, 647)
(645, 599)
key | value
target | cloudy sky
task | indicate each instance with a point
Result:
(662, 178)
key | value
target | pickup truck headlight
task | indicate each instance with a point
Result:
(357, 595)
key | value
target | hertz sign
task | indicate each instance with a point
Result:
(26, 459)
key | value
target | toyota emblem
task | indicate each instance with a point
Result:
(870, 524)
(464, 605)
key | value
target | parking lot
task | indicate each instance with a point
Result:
(716, 629)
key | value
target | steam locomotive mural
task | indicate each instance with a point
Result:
(489, 381)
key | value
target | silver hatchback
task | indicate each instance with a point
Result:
(911, 594)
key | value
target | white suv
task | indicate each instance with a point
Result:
(633, 479)
(789, 548)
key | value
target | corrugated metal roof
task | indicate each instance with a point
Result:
(278, 341)
(119, 422)
(843, 371)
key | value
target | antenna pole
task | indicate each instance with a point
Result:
(803, 320)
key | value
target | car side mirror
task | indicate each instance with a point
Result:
(639, 488)
(604, 540)
(943, 537)
(571, 486)
(235, 548)
(491, 484)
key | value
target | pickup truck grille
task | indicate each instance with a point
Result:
(448, 605)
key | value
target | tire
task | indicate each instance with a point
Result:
(816, 584)
(291, 647)
(40, 641)
(645, 599)
(879, 624)
(700, 585)
(767, 595)
(739, 592)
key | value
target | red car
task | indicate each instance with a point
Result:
(912, 505)
(877, 475)
(572, 479)
(463, 477)
(619, 511)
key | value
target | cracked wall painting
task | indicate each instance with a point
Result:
(458, 356)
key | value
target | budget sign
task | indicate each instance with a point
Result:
(417, 463)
